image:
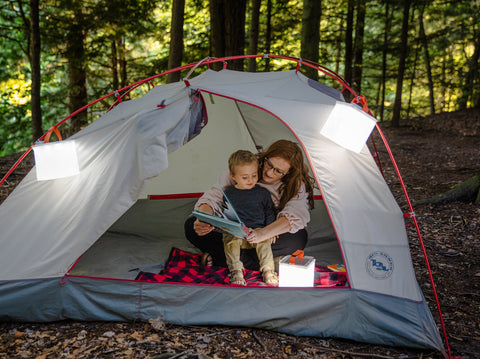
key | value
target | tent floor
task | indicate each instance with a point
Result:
(123, 256)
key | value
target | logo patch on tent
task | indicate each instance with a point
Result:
(379, 265)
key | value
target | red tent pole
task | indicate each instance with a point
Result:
(15, 165)
(207, 61)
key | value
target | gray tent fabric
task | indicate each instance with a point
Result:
(75, 244)
(350, 314)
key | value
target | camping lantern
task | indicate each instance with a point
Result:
(296, 270)
(348, 126)
(55, 160)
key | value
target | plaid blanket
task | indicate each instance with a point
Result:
(185, 268)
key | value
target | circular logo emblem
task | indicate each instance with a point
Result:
(379, 265)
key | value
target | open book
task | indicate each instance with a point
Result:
(227, 221)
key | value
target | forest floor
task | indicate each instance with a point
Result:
(430, 161)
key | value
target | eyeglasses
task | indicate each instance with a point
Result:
(275, 170)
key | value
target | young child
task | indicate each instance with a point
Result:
(255, 208)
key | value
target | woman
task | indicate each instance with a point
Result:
(283, 172)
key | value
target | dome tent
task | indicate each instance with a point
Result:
(69, 244)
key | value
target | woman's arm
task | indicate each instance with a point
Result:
(209, 202)
(292, 218)
(296, 211)
(214, 196)
(273, 230)
(202, 228)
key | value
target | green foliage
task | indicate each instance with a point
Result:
(15, 111)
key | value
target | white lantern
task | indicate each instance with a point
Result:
(296, 271)
(55, 160)
(348, 126)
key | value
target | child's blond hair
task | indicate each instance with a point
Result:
(241, 157)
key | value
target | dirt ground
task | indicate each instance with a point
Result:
(430, 162)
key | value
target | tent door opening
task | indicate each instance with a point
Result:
(141, 240)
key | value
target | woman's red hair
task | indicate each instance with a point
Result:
(297, 174)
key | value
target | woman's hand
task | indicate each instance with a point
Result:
(272, 231)
(259, 235)
(202, 228)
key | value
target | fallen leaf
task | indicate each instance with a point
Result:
(288, 349)
(137, 336)
(81, 335)
(157, 323)
(153, 338)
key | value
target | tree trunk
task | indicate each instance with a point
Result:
(468, 191)
(35, 104)
(414, 69)
(472, 74)
(122, 61)
(312, 11)
(413, 77)
(227, 35)
(397, 107)
(358, 46)
(443, 77)
(254, 30)
(217, 32)
(176, 40)
(268, 34)
(385, 51)
(114, 60)
(235, 31)
(424, 42)
(339, 40)
(349, 42)
(76, 72)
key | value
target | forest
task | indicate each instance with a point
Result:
(409, 58)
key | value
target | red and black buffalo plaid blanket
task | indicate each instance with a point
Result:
(184, 268)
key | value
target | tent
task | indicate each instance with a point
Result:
(72, 247)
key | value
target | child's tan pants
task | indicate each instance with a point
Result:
(232, 246)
